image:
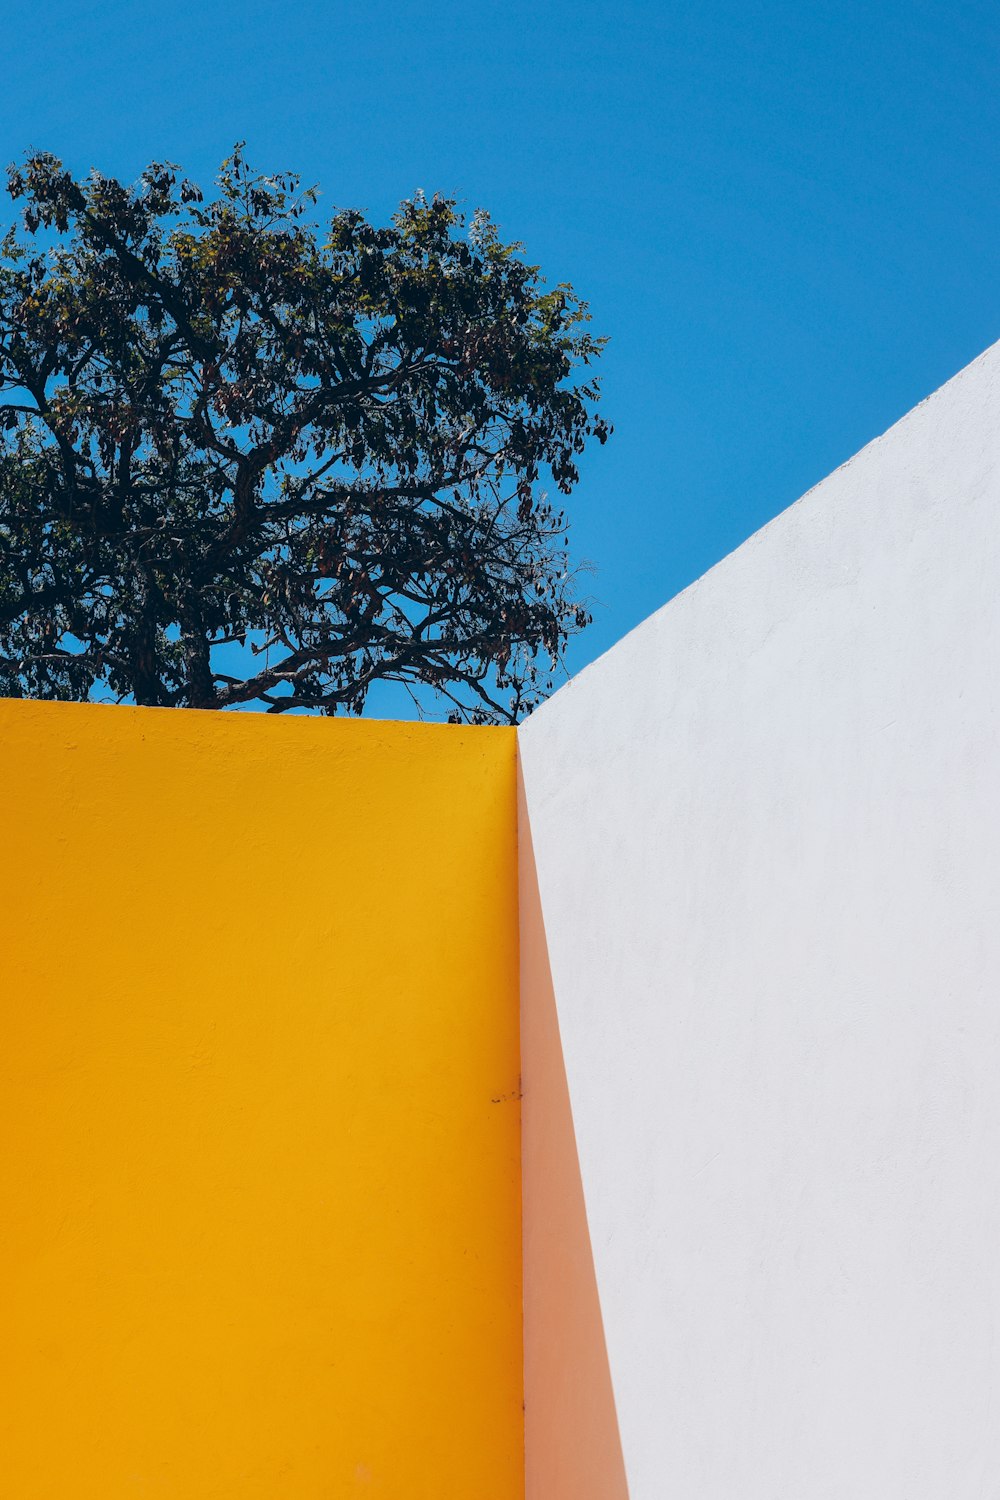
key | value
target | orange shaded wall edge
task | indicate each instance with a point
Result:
(572, 1444)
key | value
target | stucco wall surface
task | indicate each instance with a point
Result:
(572, 1447)
(767, 834)
(259, 1181)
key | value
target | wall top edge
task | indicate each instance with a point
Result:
(223, 722)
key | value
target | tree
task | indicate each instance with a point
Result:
(246, 461)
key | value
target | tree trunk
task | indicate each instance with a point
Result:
(147, 688)
(198, 679)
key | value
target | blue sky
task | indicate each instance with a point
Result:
(785, 216)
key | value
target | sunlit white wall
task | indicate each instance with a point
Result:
(767, 832)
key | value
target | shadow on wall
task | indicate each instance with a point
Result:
(572, 1445)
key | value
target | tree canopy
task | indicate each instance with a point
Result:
(248, 460)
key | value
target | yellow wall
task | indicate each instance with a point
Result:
(259, 1231)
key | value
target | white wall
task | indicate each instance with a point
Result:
(767, 833)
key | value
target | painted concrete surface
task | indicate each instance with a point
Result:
(767, 835)
(259, 1182)
(571, 1444)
